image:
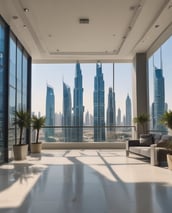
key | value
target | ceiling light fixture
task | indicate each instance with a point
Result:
(26, 10)
(15, 17)
(157, 25)
(84, 20)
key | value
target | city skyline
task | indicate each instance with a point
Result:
(88, 71)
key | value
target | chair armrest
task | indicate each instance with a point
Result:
(131, 143)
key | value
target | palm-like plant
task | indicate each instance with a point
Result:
(166, 119)
(22, 120)
(37, 124)
(142, 119)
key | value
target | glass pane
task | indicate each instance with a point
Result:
(19, 77)
(25, 70)
(2, 43)
(12, 65)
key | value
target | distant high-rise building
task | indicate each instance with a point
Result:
(128, 111)
(99, 121)
(87, 118)
(78, 107)
(67, 110)
(50, 113)
(111, 109)
(119, 117)
(124, 120)
(159, 99)
(58, 119)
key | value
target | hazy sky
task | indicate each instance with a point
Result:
(167, 71)
(55, 74)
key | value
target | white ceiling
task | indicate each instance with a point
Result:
(51, 32)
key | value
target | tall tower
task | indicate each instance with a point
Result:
(119, 117)
(159, 97)
(50, 113)
(99, 121)
(67, 110)
(128, 111)
(87, 118)
(78, 107)
(111, 111)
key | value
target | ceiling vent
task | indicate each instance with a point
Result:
(84, 20)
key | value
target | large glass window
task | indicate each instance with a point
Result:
(2, 44)
(18, 69)
(160, 77)
(67, 83)
(19, 76)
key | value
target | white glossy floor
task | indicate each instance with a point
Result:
(84, 181)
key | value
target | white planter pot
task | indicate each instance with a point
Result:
(36, 147)
(20, 151)
(169, 161)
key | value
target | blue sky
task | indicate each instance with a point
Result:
(54, 74)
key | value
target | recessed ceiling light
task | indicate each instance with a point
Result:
(157, 25)
(26, 10)
(15, 17)
(84, 20)
(129, 27)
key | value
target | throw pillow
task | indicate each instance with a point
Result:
(163, 143)
(146, 139)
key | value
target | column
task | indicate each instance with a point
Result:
(140, 89)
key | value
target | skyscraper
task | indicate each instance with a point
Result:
(87, 118)
(111, 109)
(159, 99)
(67, 110)
(128, 111)
(99, 121)
(50, 114)
(78, 107)
(119, 117)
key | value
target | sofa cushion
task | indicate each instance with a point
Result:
(163, 143)
(144, 151)
(146, 139)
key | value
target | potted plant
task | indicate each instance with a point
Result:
(22, 120)
(166, 119)
(141, 119)
(37, 124)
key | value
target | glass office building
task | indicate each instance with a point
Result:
(99, 120)
(50, 114)
(15, 87)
